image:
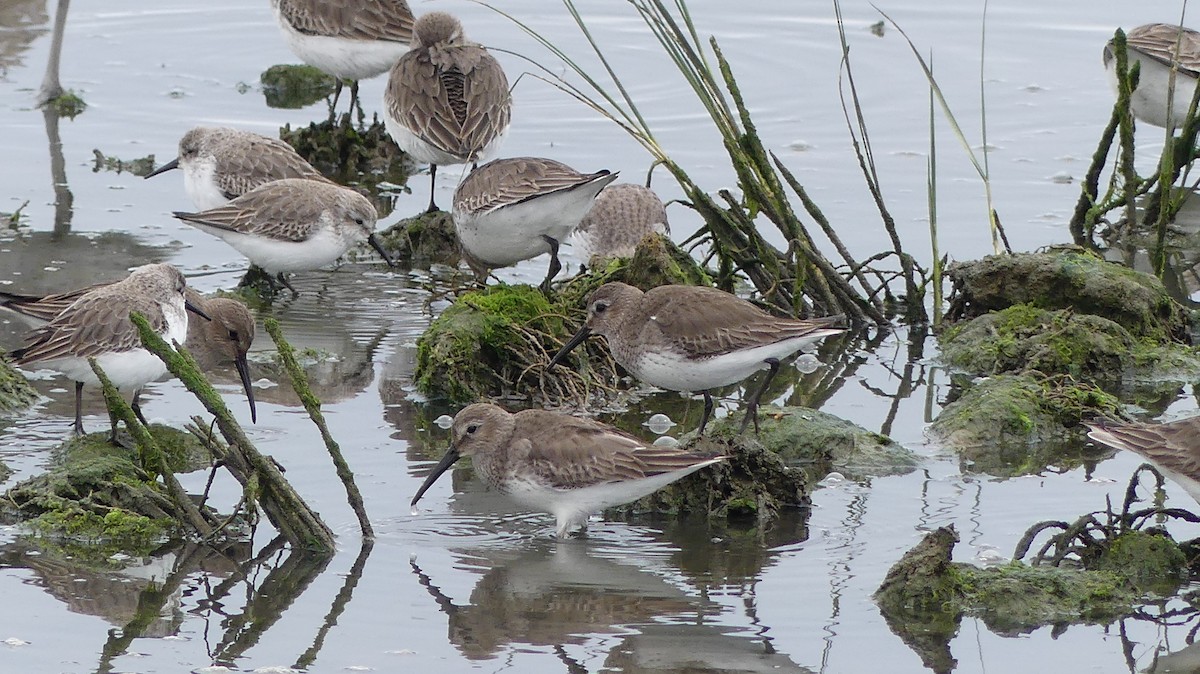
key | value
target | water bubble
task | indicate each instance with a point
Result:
(807, 363)
(666, 441)
(414, 511)
(445, 421)
(833, 479)
(659, 423)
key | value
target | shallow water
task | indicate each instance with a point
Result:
(469, 581)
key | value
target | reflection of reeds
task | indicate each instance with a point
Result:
(798, 279)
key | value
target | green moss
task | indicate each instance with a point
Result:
(423, 239)
(15, 392)
(1071, 279)
(349, 154)
(477, 346)
(1010, 425)
(68, 104)
(295, 86)
(1148, 560)
(96, 491)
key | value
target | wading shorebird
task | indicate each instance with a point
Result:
(563, 465)
(690, 338)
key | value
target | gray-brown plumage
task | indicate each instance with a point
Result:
(220, 164)
(622, 216)
(447, 99)
(1160, 41)
(517, 208)
(97, 325)
(348, 39)
(689, 338)
(292, 225)
(564, 465)
(1173, 447)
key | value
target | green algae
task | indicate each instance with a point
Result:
(68, 104)
(1018, 412)
(1071, 279)
(295, 86)
(480, 344)
(15, 392)
(350, 154)
(424, 239)
(98, 492)
(818, 442)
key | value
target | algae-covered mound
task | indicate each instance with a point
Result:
(490, 342)
(925, 588)
(98, 491)
(15, 393)
(428, 238)
(1067, 279)
(352, 155)
(818, 442)
(1021, 411)
(753, 483)
(497, 342)
(295, 86)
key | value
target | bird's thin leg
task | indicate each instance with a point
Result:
(752, 408)
(354, 101)
(708, 408)
(337, 93)
(555, 265)
(432, 177)
(78, 408)
(286, 284)
(137, 407)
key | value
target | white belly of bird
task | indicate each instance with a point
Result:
(279, 255)
(342, 58)
(505, 236)
(670, 370)
(423, 152)
(200, 183)
(571, 507)
(127, 370)
(1149, 100)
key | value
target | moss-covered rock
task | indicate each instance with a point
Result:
(484, 343)
(97, 491)
(352, 155)
(1071, 279)
(428, 238)
(818, 442)
(1018, 424)
(1086, 347)
(1149, 559)
(68, 104)
(925, 589)
(498, 341)
(753, 484)
(295, 86)
(15, 392)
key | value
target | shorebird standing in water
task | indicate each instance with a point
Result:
(563, 465)
(690, 338)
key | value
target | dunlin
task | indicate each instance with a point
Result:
(97, 326)
(689, 338)
(563, 465)
(510, 210)
(224, 339)
(348, 39)
(447, 99)
(1158, 47)
(221, 164)
(1173, 447)
(622, 216)
(292, 225)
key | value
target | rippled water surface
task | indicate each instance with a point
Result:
(469, 582)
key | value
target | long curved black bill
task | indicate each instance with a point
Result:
(374, 241)
(187, 304)
(442, 466)
(173, 164)
(243, 369)
(575, 341)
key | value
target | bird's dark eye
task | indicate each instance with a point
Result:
(599, 307)
(358, 221)
(233, 335)
(472, 428)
